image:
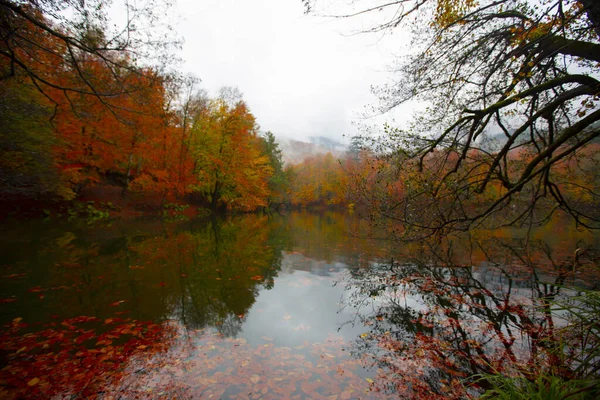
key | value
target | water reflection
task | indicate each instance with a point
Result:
(205, 274)
(176, 307)
(275, 307)
(439, 322)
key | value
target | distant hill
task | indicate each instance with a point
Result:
(296, 151)
(495, 141)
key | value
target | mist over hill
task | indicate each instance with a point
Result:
(295, 151)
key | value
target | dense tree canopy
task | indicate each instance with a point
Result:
(37, 37)
(512, 91)
(87, 102)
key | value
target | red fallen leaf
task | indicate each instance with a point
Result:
(161, 284)
(59, 287)
(116, 303)
(14, 276)
(184, 275)
(8, 300)
(36, 289)
(81, 318)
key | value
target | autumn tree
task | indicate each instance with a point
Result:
(38, 35)
(512, 92)
(96, 142)
(190, 105)
(232, 170)
(98, 87)
(318, 180)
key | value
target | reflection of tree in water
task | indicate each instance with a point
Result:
(229, 261)
(114, 292)
(436, 324)
(332, 237)
(205, 273)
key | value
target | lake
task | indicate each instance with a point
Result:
(298, 305)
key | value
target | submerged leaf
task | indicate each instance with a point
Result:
(33, 382)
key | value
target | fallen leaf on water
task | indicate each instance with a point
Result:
(369, 380)
(346, 395)
(33, 382)
(301, 327)
(255, 379)
(287, 317)
(364, 335)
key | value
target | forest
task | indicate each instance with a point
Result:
(84, 113)
(79, 121)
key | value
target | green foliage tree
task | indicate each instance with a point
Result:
(279, 183)
(523, 72)
(26, 140)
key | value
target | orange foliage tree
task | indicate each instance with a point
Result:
(232, 170)
(318, 180)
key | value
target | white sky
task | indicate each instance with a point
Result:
(300, 75)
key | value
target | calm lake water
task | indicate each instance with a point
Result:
(292, 306)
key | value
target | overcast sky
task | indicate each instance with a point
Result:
(300, 75)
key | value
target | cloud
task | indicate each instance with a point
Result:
(298, 74)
